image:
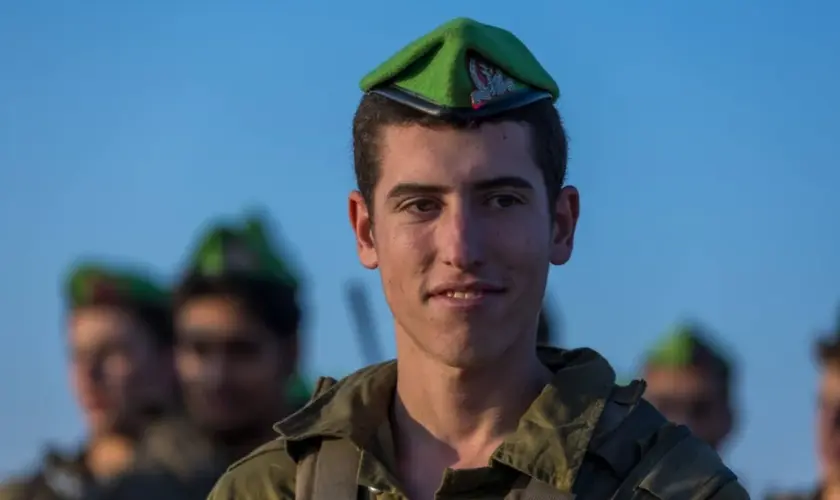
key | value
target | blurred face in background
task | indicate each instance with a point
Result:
(119, 373)
(828, 423)
(233, 370)
(694, 397)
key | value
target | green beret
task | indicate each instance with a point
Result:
(463, 68)
(687, 345)
(93, 284)
(240, 250)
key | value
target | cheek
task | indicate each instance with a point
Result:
(188, 366)
(522, 242)
(825, 421)
(120, 369)
(404, 252)
(78, 381)
(522, 228)
(257, 374)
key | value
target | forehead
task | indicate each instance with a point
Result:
(214, 317)
(690, 379)
(92, 325)
(449, 155)
(219, 311)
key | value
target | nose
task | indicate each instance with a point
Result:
(94, 370)
(213, 371)
(459, 238)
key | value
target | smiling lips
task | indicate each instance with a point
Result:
(467, 292)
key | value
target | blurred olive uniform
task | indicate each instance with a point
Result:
(583, 436)
(178, 461)
(183, 457)
(690, 380)
(66, 475)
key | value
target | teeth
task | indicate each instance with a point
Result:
(462, 295)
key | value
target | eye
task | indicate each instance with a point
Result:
(421, 206)
(503, 201)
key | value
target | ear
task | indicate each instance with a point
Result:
(566, 213)
(362, 224)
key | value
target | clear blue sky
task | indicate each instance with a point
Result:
(704, 142)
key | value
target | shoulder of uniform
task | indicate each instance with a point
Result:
(327, 411)
(665, 459)
(681, 463)
(272, 452)
(625, 410)
(627, 426)
(267, 473)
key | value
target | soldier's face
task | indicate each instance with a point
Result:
(463, 236)
(233, 370)
(828, 423)
(117, 371)
(692, 397)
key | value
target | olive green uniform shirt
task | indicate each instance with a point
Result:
(553, 439)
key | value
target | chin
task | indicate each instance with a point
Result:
(102, 425)
(472, 354)
(458, 343)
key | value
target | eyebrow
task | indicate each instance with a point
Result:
(415, 188)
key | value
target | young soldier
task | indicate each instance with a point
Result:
(119, 333)
(689, 380)
(237, 317)
(460, 159)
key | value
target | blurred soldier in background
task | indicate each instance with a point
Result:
(237, 317)
(690, 381)
(827, 425)
(119, 335)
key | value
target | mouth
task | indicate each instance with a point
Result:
(466, 292)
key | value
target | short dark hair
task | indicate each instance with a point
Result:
(548, 137)
(827, 351)
(272, 303)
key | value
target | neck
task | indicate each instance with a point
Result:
(109, 455)
(461, 415)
